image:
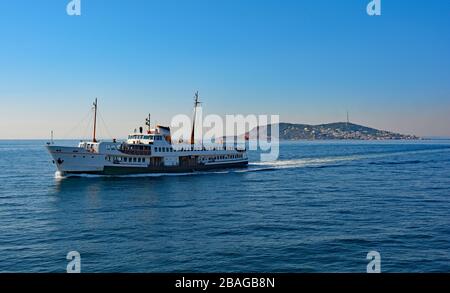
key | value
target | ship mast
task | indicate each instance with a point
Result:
(147, 122)
(196, 103)
(95, 120)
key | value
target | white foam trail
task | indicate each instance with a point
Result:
(303, 162)
(59, 175)
(297, 163)
(263, 166)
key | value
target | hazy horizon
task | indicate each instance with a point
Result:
(103, 137)
(308, 61)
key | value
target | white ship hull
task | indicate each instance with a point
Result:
(78, 160)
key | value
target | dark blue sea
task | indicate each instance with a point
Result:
(321, 208)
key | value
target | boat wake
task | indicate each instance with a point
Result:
(296, 163)
(252, 167)
(267, 166)
(318, 162)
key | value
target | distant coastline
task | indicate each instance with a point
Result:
(330, 131)
(436, 137)
(297, 131)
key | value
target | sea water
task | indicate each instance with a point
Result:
(320, 208)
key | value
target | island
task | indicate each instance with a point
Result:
(330, 131)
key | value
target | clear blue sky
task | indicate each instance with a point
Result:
(309, 61)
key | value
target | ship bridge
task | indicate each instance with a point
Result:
(159, 136)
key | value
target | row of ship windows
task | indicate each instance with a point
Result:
(143, 160)
(157, 149)
(82, 156)
(151, 137)
(225, 157)
(163, 149)
(124, 159)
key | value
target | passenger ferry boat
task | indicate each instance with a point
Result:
(143, 152)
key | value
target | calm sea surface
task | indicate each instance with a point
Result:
(320, 208)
